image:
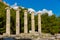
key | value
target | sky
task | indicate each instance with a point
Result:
(53, 5)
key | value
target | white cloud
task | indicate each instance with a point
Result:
(14, 6)
(46, 11)
(31, 10)
(41, 11)
(50, 12)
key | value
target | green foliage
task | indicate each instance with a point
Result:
(50, 24)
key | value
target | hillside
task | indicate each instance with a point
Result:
(2, 17)
(50, 24)
(2, 8)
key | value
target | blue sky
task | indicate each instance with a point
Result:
(53, 5)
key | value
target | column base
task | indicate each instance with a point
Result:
(17, 36)
(6, 35)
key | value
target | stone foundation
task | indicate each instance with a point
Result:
(35, 36)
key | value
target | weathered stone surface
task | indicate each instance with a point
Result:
(32, 22)
(39, 23)
(5, 35)
(25, 22)
(8, 21)
(31, 36)
(17, 21)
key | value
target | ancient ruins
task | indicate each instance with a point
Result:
(31, 35)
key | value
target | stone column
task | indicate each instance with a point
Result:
(8, 21)
(39, 23)
(17, 21)
(32, 22)
(25, 22)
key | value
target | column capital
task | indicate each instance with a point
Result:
(18, 9)
(25, 10)
(7, 8)
(32, 12)
(38, 13)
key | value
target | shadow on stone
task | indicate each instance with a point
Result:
(25, 39)
(8, 39)
(14, 39)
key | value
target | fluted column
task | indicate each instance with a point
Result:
(32, 22)
(8, 21)
(25, 22)
(39, 23)
(17, 21)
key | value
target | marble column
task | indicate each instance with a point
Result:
(32, 22)
(25, 22)
(39, 23)
(8, 21)
(17, 21)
